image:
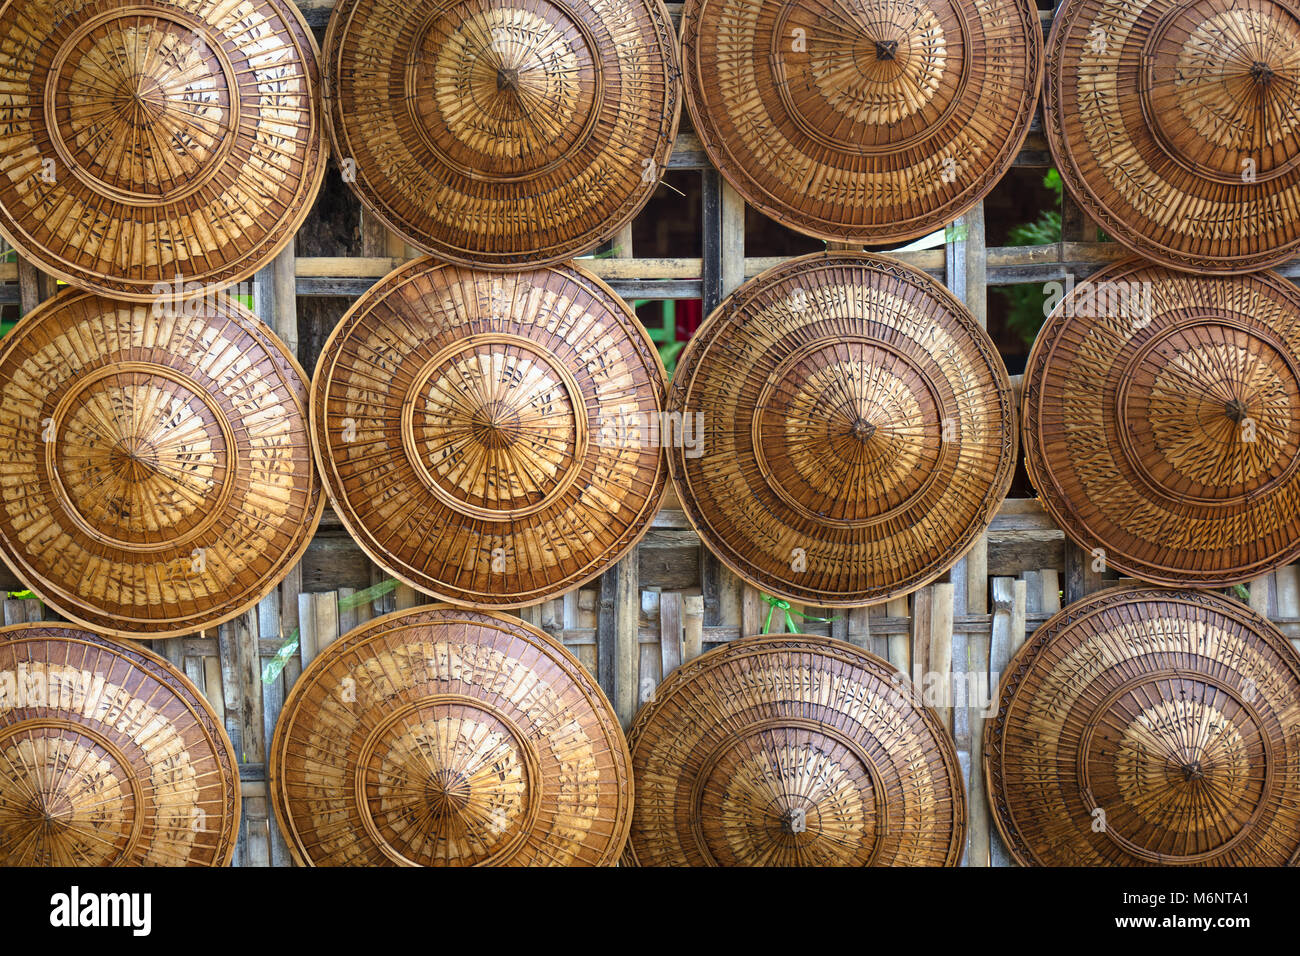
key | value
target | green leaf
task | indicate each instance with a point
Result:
(276, 664)
(367, 595)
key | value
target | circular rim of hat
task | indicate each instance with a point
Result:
(1157, 380)
(1137, 685)
(178, 433)
(729, 315)
(515, 755)
(1156, 129)
(106, 186)
(577, 117)
(166, 674)
(741, 164)
(450, 496)
(687, 676)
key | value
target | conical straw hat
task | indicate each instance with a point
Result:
(1175, 126)
(793, 751)
(449, 737)
(864, 121)
(853, 430)
(157, 476)
(158, 143)
(491, 439)
(502, 133)
(111, 757)
(1160, 422)
(1149, 727)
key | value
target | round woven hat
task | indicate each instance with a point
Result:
(503, 133)
(1162, 422)
(110, 757)
(781, 751)
(863, 121)
(157, 476)
(853, 430)
(491, 439)
(1174, 124)
(158, 142)
(1144, 726)
(450, 737)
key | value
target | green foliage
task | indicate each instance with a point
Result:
(1025, 315)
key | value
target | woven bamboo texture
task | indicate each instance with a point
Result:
(859, 429)
(789, 751)
(157, 476)
(487, 437)
(1173, 124)
(668, 599)
(160, 139)
(111, 757)
(864, 122)
(1149, 727)
(449, 737)
(1160, 422)
(503, 133)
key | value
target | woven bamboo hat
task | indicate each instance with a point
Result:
(502, 133)
(157, 139)
(111, 757)
(450, 737)
(1161, 422)
(1175, 125)
(855, 430)
(863, 121)
(489, 438)
(157, 476)
(793, 751)
(1144, 726)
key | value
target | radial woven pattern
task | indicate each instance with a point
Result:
(491, 439)
(157, 477)
(1142, 727)
(110, 756)
(793, 751)
(144, 141)
(1175, 125)
(862, 120)
(449, 737)
(503, 133)
(857, 429)
(1162, 423)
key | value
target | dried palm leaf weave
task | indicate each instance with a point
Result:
(157, 139)
(491, 438)
(793, 751)
(863, 121)
(108, 757)
(450, 737)
(156, 475)
(503, 133)
(1162, 422)
(1143, 726)
(857, 429)
(1176, 125)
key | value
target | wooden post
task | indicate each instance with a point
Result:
(693, 627)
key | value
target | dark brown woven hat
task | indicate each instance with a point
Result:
(489, 438)
(157, 476)
(449, 737)
(502, 133)
(156, 139)
(1161, 422)
(1175, 125)
(855, 430)
(793, 751)
(111, 757)
(863, 121)
(1144, 726)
